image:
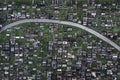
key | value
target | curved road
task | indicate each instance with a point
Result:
(64, 23)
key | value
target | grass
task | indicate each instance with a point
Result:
(62, 13)
(79, 13)
(44, 44)
(116, 29)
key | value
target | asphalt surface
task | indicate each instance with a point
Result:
(64, 23)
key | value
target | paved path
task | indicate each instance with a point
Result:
(65, 23)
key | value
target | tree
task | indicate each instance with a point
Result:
(27, 2)
(105, 1)
(80, 2)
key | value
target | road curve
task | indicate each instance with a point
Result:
(64, 23)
